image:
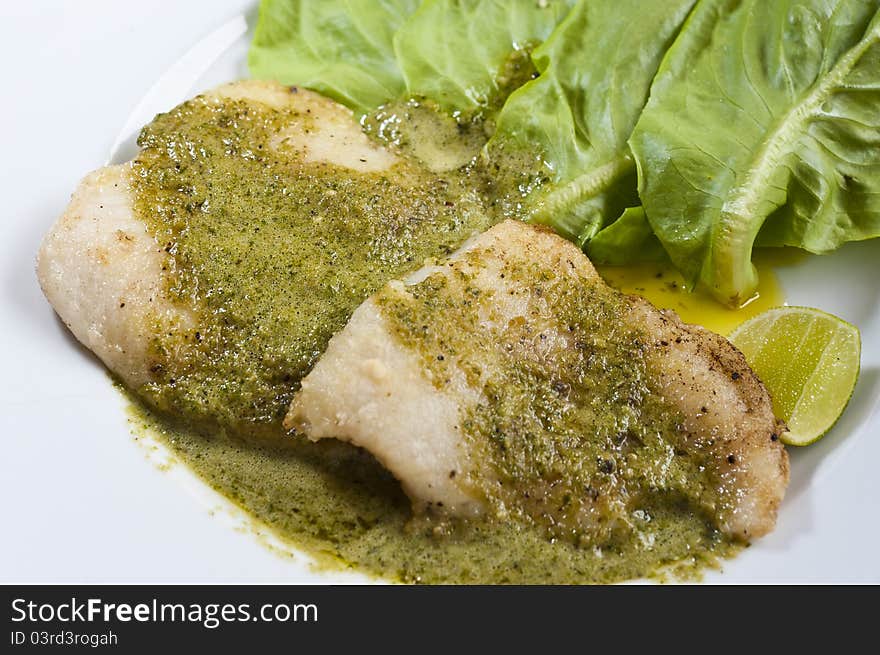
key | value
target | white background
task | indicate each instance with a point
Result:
(82, 502)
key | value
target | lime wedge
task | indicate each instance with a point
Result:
(809, 362)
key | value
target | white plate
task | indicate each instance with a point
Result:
(83, 501)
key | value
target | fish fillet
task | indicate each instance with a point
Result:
(512, 380)
(103, 271)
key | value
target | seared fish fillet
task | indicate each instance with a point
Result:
(102, 270)
(512, 380)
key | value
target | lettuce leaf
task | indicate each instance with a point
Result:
(365, 53)
(452, 51)
(595, 72)
(763, 124)
(341, 48)
(627, 240)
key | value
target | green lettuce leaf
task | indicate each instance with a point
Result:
(596, 69)
(341, 48)
(765, 113)
(452, 51)
(627, 240)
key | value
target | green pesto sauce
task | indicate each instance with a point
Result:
(569, 430)
(511, 176)
(505, 178)
(336, 503)
(275, 254)
(419, 128)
